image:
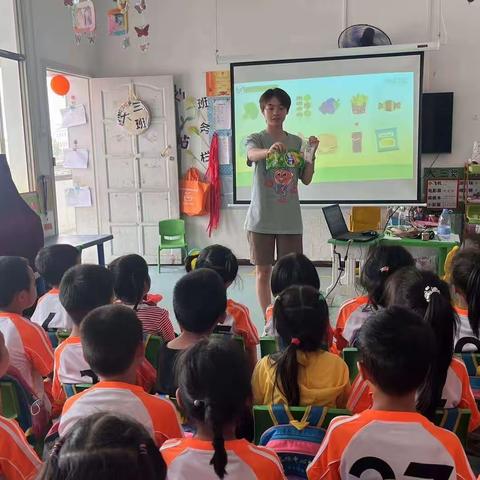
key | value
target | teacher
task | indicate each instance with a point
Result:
(274, 217)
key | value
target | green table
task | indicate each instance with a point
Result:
(357, 252)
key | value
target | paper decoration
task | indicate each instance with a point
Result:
(134, 116)
(73, 116)
(60, 85)
(84, 23)
(117, 22)
(218, 83)
(78, 197)
(219, 113)
(442, 193)
(225, 149)
(76, 158)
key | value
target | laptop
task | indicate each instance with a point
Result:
(338, 228)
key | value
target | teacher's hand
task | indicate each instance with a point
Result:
(277, 147)
(314, 142)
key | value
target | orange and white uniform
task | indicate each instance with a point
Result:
(30, 350)
(238, 317)
(156, 414)
(72, 368)
(390, 445)
(18, 460)
(50, 314)
(464, 329)
(456, 393)
(351, 317)
(188, 458)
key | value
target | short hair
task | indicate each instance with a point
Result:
(219, 259)
(115, 445)
(293, 269)
(199, 299)
(53, 261)
(14, 278)
(83, 288)
(396, 346)
(110, 337)
(281, 95)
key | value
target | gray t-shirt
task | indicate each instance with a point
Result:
(275, 207)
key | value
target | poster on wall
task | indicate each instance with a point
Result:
(218, 83)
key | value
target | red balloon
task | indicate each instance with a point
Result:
(60, 85)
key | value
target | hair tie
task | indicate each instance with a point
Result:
(142, 448)
(385, 269)
(429, 291)
(193, 263)
(198, 403)
(295, 341)
(56, 448)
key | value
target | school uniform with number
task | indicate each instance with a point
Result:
(50, 314)
(72, 368)
(351, 317)
(18, 460)
(156, 414)
(390, 445)
(30, 350)
(464, 330)
(457, 393)
(189, 458)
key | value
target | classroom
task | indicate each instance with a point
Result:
(239, 240)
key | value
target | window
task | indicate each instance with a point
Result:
(12, 131)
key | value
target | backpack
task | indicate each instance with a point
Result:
(295, 442)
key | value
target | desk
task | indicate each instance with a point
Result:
(81, 242)
(358, 253)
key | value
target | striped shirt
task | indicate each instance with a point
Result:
(18, 461)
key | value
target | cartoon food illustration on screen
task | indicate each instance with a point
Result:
(328, 143)
(389, 105)
(303, 106)
(357, 142)
(387, 139)
(250, 111)
(330, 106)
(359, 104)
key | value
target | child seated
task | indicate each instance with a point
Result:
(199, 302)
(448, 384)
(214, 390)
(304, 373)
(466, 280)
(52, 262)
(115, 446)
(18, 460)
(112, 340)
(84, 288)
(31, 353)
(223, 261)
(382, 261)
(131, 283)
(392, 439)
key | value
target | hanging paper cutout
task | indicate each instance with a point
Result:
(140, 6)
(117, 22)
(143, 30)
(84, 24)
(133, 115)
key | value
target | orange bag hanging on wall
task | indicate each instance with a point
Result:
(194, 194)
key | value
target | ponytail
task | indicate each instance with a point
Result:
(139, 285)
(220, 458)
(473, 299)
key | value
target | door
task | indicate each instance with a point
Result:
(137, 180)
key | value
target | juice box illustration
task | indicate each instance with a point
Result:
(357, 142)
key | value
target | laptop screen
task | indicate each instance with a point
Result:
(335, 221)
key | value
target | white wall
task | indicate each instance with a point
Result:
(183, 43)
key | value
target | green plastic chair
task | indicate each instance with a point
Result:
(268, 345)
(10, 407)
(153, 343)
(471, 361)
(454, 419)
(172, 236)
(263, 420)
(72, 389)
(350, 357)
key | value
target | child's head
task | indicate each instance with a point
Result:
(53, 261)
(382, 261)
(131, 280)
(395, 347)
(83, 288)
(466, 280)
(293, 269)
(106, 446)
(424, 293)
(17, 284)
(199, 301)
(221, 260)
(300, 316)
(4, 356)
(471, 241)
(214, 388)
(112, 340)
